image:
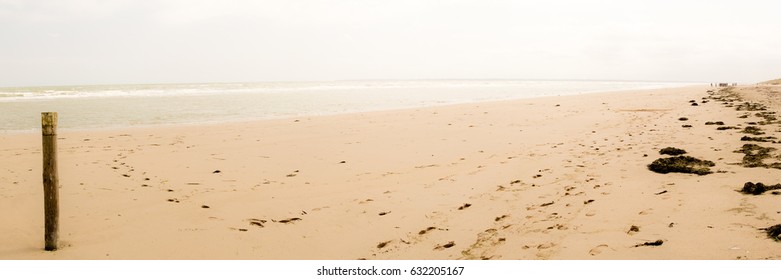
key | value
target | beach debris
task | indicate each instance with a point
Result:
(759, 139)
(750, 106)
(752, 130)
(661, 192)
(683, 119)
(500, 218)
(672, 151)
(754, 156)
(384, 213)
(466, 205)
(343, 161)
(588, 201)
(216, 171)
(773, 232)
(205, 206)
(686, 126)
(770, 117)
(547, 204)
(654, 243)
(681, 164)
(695, 104)
(726, 127)
(632, 229)
(715, 123)
(758, 188)
(173, 200)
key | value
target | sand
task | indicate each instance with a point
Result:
(547, 178)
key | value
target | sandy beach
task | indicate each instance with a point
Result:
(545, 178)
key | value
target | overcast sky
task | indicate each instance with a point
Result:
(61, 42)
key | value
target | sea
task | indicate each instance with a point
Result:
(112, 106)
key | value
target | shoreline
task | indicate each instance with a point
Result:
(239, 105)
(561, 177)
(282, 118)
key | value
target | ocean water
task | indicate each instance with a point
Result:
(110, 106)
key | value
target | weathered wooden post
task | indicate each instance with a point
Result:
(51, 182)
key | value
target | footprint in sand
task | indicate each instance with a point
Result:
(422, 232)
(445, 246)
(598, 250)
(383, 244)
(257, 222)
(500, 218)
(286, 221)
(545, 246)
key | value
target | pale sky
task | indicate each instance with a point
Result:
(62, 42)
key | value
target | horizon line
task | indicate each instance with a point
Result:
(347, 80)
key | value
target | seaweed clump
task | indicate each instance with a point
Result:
(754, 155)
(768, 116)
(681, 164)
(758, 188)
(773, 232)
(747, 106)
(759, 139)
(752, 130)
(672, 151)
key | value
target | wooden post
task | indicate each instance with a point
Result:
(51, 182)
